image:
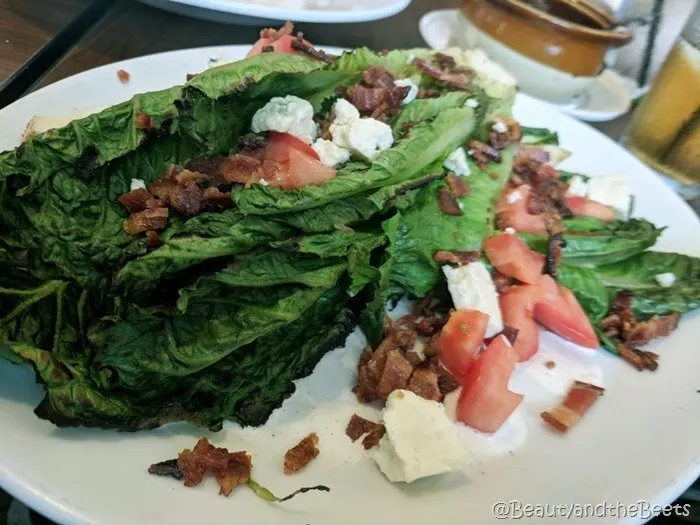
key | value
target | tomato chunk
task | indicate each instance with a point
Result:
(517, 307)
(304, 170)
(461, 339)
(279, 145)
(512, 211)
(485, 402)
(289, 163)
(513, 258)
(583, 207)
(560, 312)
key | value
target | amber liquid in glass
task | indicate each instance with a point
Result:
(665, 130)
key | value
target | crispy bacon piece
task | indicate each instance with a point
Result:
(359, 426)
(455, 78)
(396, 373)
(241, 169)
(456, 258)
(555, 243)
(268, 49)
(447, 202)
(215, 198)
(510, 333)
(300, 45)
(145, 220)
(444, 61)
(229, 468)
(431, 325)
(459, 187)
(512, 136)
(166, 468)
(644, 331)
(301, 454)
(376, 94)
(143, 121)
(123, 75)
(578, 401)
(153, 239)
(484, 153)
(427, 93)
(135, 200)
(424, 383)
(446, 381)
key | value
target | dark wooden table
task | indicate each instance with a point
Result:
(43, 41)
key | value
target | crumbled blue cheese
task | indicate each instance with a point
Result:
(472, 288)
(457, 162)
(420, 440)
(472, 103)
(330, 154)
(611, 190)
(413, 91)
(666, 280)
(510, 231)
(138, 184)
(364, 137)
(290, 114)
(577, 187)
(500, 127)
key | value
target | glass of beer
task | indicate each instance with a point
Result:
(665, 129)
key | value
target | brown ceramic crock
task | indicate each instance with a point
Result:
(576, 44)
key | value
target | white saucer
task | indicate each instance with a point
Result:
(609, 97)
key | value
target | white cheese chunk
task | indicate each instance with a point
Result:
(513, 196)
(577, 187)
(290, 114)
(510, 231)
(420, 439)
(413, 91)
(472, 288)
(457, 162)
(330, 154)
(137, 184)
(365, 137)
(666, 280)
(611, 190)
(472, 103)
(344, 111)
(499, 127)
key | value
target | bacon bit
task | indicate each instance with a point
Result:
(431, 325)
(502, 282)
(143, 121)
(513, 135)
(510, 333)
(447, 202)
(275, 34)
(578, 401)
(427, 93)
(301, 454)
(484, 153)
(456, 258)
(446, 381)
(166, 468)
(444, 61)
(298, 44)
(459, 187)
(153, 239)
(377, 95)
(423, 306)
(395, 375)
(145, 220)
(358, 427)
(229, 468)
(644, 331)
(639, 359)
(555, 243)
(458, 80)
(123, 76)
(428, 69)
(424, 383)
(372, 439)
(240, 168)
(135, 200)
(268, 49)
(550, 364)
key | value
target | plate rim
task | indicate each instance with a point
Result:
(50, 504)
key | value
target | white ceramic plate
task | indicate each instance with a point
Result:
(640, 442)
(607, 98)
(259, 12)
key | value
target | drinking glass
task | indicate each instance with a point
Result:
(665, 129)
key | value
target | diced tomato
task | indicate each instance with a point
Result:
(485, 402)
(517, 307)
(461, 339)
(279, 144)
(289, 163)
(583, 207)
(281, 45)
(560, 312)
(513, 258)
(513, 213)
(305, 170)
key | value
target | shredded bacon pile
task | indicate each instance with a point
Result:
(483, 153)
(229, 468)
(376, 95)
(404, 360)
(184, 191)
(455, 258)
(301, 454)
(622, 326)
(359, 426)
(445, 70)
(579, 399)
